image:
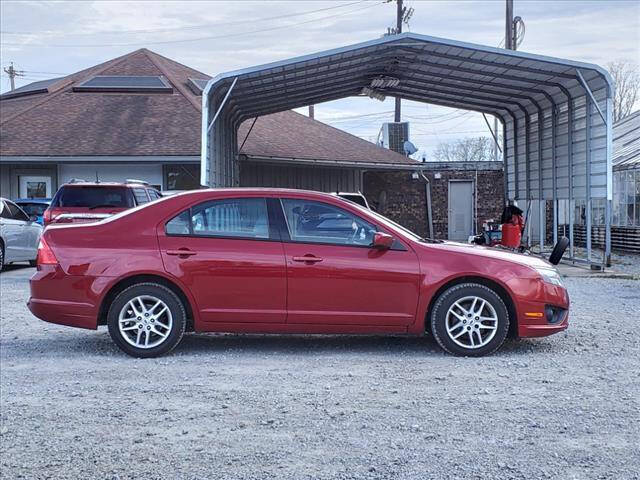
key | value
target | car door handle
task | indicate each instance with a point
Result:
(307, 259)
(181, 252)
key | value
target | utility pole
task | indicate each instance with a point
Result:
(399, 15)
(13, 73)
(509, 44)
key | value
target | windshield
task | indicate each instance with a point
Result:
(33, 208)
(93, 197)
(393, 225)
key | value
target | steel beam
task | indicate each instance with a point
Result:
(588, 176)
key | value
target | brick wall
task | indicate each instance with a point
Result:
(403, 199)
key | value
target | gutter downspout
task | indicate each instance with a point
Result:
(427, 192)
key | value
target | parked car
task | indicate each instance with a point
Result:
(19, 234)
(79, 201)
(285, 261)
(34, 207)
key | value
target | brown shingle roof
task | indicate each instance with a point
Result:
(67, 123)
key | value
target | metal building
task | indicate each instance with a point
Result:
(556, 114)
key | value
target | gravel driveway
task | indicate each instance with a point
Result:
(318, 407)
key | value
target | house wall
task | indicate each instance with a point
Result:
(323, 179)
(403, 199)
(10, 176)
(151, 173)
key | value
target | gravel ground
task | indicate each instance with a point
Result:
(323, 407)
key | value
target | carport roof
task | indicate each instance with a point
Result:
(439, 71)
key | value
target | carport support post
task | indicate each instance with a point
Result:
(570, 171)
(609, 201)
(554, 173)
(588, 175)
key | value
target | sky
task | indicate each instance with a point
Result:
(46, 39)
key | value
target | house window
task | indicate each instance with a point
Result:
(182, 176)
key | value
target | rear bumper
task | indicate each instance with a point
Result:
(72, 314)
(78, 307)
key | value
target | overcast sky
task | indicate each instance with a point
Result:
(47, 39)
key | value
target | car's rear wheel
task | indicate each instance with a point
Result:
(146, 320)
(470, 319)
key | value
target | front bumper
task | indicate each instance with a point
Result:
(533, 320)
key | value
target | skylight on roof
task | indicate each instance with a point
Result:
(121, 83)
(197, 85)
(30, 89)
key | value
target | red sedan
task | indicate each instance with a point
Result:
(285, 261)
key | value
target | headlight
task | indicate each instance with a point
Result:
(550, 275)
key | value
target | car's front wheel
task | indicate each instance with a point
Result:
(146, 320)
(470, 319)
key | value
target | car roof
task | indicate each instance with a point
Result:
(105, 184)
(267, 191)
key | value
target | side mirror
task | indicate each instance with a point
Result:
(382, 241)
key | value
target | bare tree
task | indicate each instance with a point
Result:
(627, 82)
(471, 149)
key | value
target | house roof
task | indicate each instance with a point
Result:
(49, 118)
(626, 142)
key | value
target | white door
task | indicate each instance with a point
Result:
(35, 186)
(460, 210)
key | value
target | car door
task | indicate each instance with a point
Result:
(16, 233)
(230, 258)
(336, 278)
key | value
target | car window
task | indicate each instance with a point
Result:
(4, 211)
(141, 195)
(90, 196)
(179, 225)
(235, 217)
(318, 222)
(153, 194)
(16, 212)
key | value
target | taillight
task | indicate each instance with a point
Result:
(45, 254)
(46, 217)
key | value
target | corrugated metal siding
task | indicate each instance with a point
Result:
(555, 151)
(257, 174)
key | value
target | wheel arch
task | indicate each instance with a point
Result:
(501, 290)
(126, 282)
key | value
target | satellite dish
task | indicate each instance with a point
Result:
(409, 148)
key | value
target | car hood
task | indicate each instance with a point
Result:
(494, 253)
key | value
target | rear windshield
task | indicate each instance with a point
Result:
(33, 208)
(93, 197)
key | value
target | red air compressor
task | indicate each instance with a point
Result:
(512, 226)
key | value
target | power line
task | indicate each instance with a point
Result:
(199, 39)
(187, 27)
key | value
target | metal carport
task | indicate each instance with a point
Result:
(556, 114)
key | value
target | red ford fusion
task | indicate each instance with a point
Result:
(285, 261)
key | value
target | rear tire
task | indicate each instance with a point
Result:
(470, 319)
(1, 256)
(146, 320)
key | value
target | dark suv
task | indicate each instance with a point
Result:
(81, 201)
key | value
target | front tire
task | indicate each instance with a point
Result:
(470, 319)
(146, 320)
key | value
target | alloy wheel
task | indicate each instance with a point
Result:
(471, 322)
(145, 321)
